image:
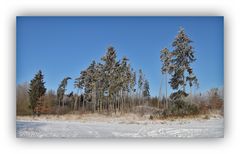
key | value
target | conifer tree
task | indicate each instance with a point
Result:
(166, 67)
(61, 91)
(146, 89)
(182, 57)
(91, 84)
(108, 68)
(140, 81)
(36, 91)
(140, 85)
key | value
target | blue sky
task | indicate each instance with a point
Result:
(63, 46)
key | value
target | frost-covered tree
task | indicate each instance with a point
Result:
(182, 56)
(109, 64)
(79, 83)
(133, 81)
(140, 81)
(167, 67)
(146, 89)
(61, 91)
(90, 84)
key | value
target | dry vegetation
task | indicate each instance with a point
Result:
(127, 118)
(207, 105)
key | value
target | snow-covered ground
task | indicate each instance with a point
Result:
(188, 128)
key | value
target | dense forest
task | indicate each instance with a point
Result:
(112, 86)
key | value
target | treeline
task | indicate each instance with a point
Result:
(210, 101)
(113, 86)
(104, 87)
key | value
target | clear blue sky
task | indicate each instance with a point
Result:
(63, 46)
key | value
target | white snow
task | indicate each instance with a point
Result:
(188, 128)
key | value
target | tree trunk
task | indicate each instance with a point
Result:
(183, 83)
(166, 93)
(191, 94)
(63, 102)
(83, 107)
(76, 100)
(59, 103)
(160, 93)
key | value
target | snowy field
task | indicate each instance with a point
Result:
(188, 128)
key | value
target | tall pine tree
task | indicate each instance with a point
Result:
(36, 91)
(61, 90)
(182, 57)
(166, 58)
(146, 89)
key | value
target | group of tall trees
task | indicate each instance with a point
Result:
(110, 84)
(107, 86)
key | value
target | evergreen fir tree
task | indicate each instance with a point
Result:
(36, 91)
(140, 81)
(167, 67)
(146, 89)
(61, 91)
(182, 57)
